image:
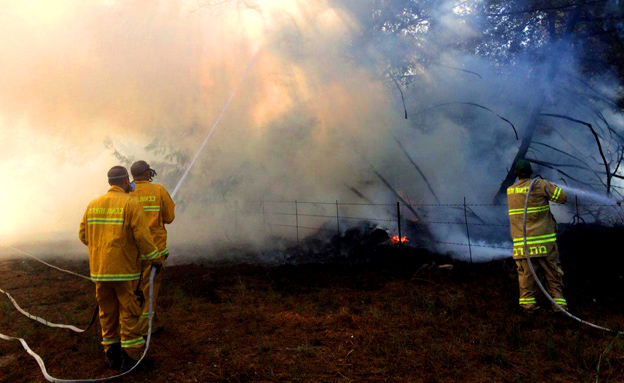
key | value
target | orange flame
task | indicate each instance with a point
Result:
(395, 240)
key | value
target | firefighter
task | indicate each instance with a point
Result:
(159, 210)
(541, 232)
(114, 227)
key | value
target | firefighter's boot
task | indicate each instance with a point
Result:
(127, 363)
(530, 308)
(113, 356)
(563, 305)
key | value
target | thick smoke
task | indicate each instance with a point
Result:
(87, 85)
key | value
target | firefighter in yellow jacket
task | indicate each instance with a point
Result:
(541, 232)
(114, 227)
(160, 211)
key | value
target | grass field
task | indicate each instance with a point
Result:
(402, 319)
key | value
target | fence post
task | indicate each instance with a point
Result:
(467, 230)
(578, 216)
(399, 223)
(263, 220)
(297, 221)
(338, 249)
(337, 220)
(236, 211)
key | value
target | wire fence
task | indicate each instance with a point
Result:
(298, 219)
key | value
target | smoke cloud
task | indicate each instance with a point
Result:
(87, 85)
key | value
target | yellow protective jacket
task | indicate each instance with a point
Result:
(541, 225)
(114, 228)
(159, 209)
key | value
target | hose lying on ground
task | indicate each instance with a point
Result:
(528, 257)
(49, 265)
(42, 364)
(50, 324)
(41, 320)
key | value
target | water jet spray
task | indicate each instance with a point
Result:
(591, 195)
(214, 126)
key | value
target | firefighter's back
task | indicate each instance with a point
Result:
(159, 210)
(541, 227)
(112, 248)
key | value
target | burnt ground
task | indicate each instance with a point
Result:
(399, 317)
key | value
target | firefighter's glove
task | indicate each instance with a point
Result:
(139, 296)
(158, 266)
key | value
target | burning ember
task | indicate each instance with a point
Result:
(396, 240)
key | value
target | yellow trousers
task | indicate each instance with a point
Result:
(144, 323)
(550, 266)
(120, 314)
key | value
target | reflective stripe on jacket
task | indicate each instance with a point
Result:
(114, 227)
(159, 209)
(541, 225)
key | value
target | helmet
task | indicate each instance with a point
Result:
(140, 167)
(523, 168)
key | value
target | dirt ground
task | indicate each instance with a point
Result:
(401, 319)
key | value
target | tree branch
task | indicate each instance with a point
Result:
(400, 91)
(458, 69)
(396, 194)
(553, 167)
(586, 167)
(481, 107)
(424, 177)
(546, 9)
(595, 137)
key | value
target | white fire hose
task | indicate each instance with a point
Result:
(49, 324)
(41, 320)
(49, 265)
(526, 251)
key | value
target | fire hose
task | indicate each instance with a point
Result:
(49, 265)
(539, 283)
(48, 323)
(41, 320)
(53, 379)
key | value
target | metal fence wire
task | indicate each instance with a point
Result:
(296, 215)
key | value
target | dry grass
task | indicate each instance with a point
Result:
(331, 323)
